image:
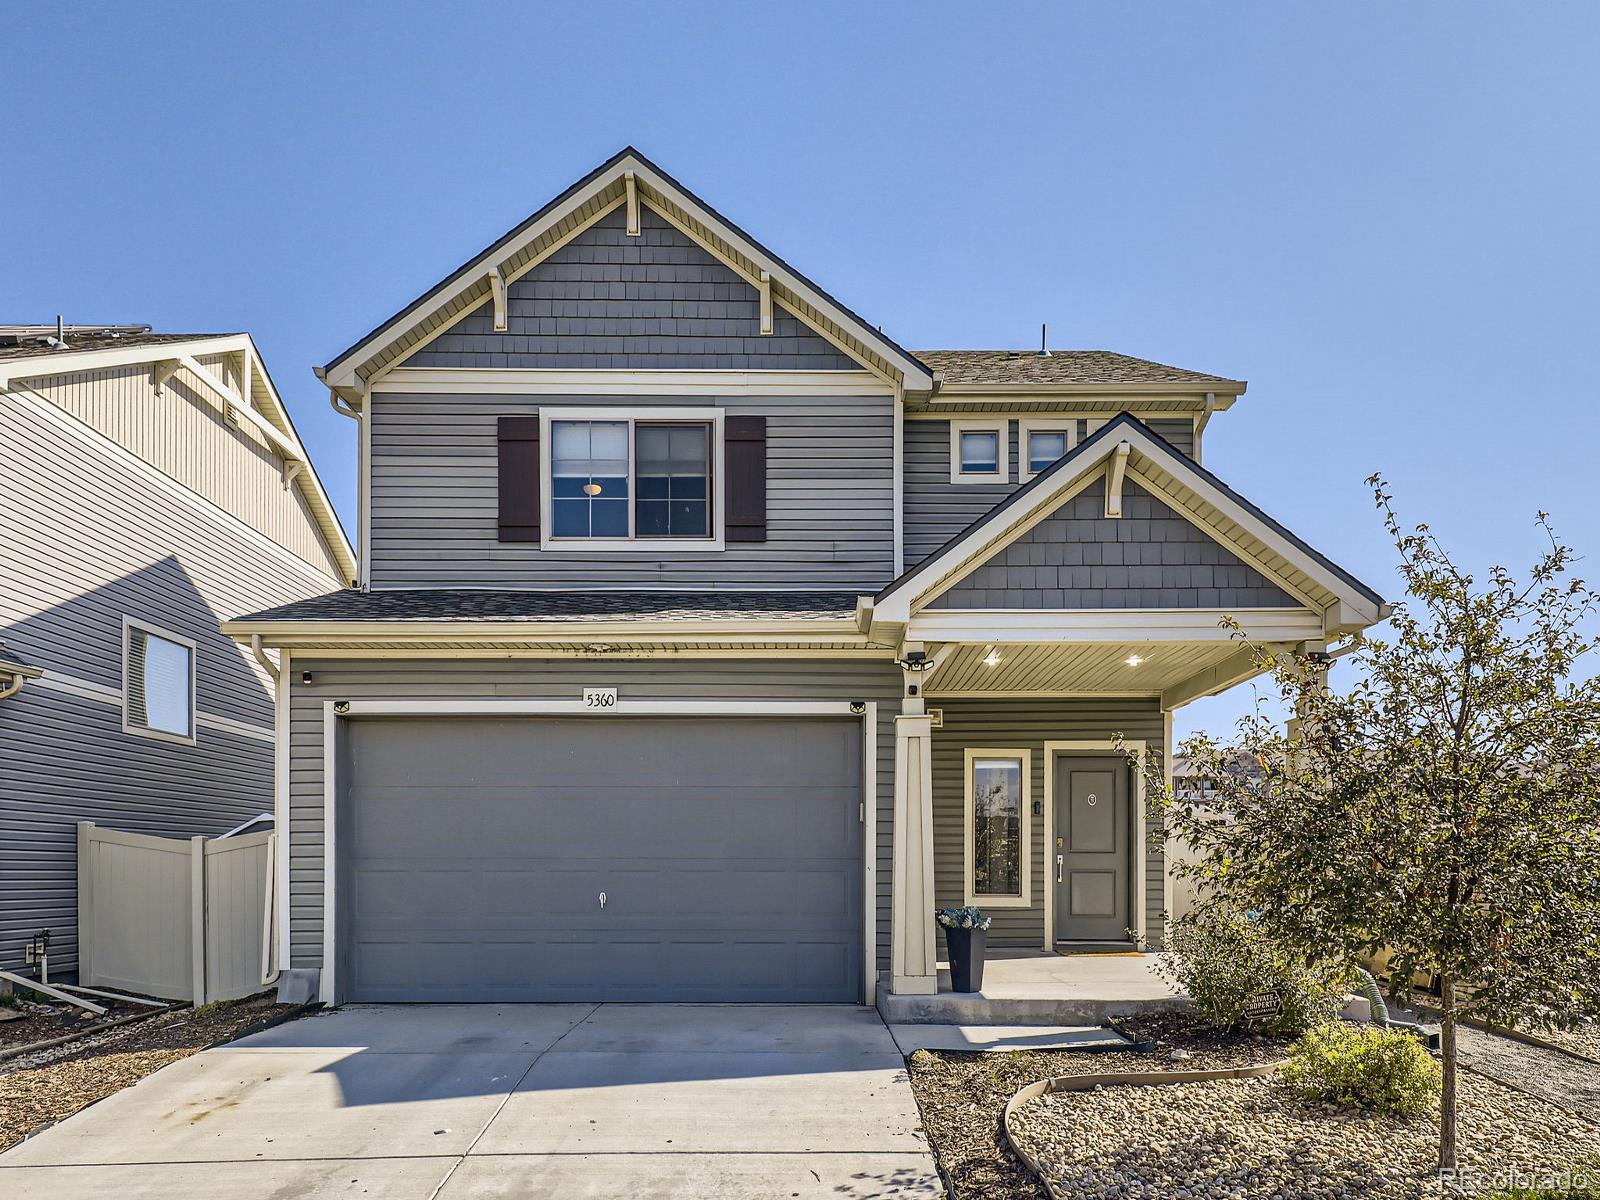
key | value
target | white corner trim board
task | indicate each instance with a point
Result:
(334, 710)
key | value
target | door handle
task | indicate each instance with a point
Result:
(602, 900)
(1060, 858)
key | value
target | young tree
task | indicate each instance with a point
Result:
(1444, 807)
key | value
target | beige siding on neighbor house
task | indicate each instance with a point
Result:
(183, 434)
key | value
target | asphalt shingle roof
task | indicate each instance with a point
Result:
(469, 605)
(1059, 366)
(31, 345)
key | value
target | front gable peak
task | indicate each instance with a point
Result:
(631, 192)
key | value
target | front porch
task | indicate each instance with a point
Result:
(1032, 987)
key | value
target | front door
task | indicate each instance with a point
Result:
(1093, 838)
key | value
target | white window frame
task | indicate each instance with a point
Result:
(999, 426)
(1025, 846)
(1066, 425)
(129, 624)
(630, 544)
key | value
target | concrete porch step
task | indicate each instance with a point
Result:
(1037, 988)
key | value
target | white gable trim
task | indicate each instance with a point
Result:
(1012, 519)
(343, 373)
(259, 404)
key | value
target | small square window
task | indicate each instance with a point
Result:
(978, 452)
(1042, 443)
(158, 684)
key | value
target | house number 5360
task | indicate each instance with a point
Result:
(599, 699)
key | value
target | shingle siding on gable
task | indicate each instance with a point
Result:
(936, 509)
(1148, 558)
(607, 301)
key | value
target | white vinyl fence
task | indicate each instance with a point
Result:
(184, 919)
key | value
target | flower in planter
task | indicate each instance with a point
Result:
(969, 917)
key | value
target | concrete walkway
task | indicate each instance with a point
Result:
(453, 1102)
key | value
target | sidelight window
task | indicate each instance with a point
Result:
(997, 820)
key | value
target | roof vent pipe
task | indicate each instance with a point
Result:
(1044, 341)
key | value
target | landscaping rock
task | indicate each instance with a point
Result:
(1246, 1138)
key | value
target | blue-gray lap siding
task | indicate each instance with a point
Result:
(91, 538)
(1150, 557)
(936, 509)
(435, 488)
(768, 679)
(657, 301)
(1026, 724)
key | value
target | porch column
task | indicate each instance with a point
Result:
(914, 968)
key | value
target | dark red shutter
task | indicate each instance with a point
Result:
(519, 479)
(745, 461)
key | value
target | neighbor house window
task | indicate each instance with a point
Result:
(978, 452)
(997, 817)
(158, 683)
(1041, 445)
(635, 478)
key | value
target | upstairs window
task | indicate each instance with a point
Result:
(633, 480)
(978, 452)
(1042, 444)
(158, 683)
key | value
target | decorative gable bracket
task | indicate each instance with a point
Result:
(1115, 474)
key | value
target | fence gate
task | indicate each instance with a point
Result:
(184, 919)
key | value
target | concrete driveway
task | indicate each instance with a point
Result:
(459, 1101)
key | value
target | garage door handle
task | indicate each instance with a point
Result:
(602, 899)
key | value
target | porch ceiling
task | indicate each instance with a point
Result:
(1083, 668)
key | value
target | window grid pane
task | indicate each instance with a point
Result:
(589, 479)
(997, 827)
(980, 452)
(674, 480)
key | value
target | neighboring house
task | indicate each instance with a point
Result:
(707, 639)
(150, 484)
(1189, 785)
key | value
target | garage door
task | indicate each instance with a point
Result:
(475, 853)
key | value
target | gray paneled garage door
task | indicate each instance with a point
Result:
(474, 852)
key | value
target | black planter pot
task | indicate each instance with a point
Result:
(966, 958)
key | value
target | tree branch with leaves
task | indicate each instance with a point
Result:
(1443, 808)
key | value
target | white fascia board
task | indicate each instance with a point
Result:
(1010, 522)
(967, 393)
(343, 374)
(1111, 625)
(273, 633)
(71, 362)
(580, 382)
(916, 376)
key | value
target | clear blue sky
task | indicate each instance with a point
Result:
(1383, 215)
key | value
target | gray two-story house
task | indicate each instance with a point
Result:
(150, 485)
(706, 639)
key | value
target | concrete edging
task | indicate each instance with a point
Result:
(1084, 1083)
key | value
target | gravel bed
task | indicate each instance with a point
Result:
(1247, 1138)
(961, 1094)
(1584, 1040)
(39, 1022)
(42, 1088)
(1548, 1074)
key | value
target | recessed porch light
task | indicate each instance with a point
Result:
(992, 659)
(1133, 660)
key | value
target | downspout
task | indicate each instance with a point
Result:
(272, 956)
(1202, 421)
(363, 483)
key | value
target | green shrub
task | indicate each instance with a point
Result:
(1363, 1066)
(1241, 979)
